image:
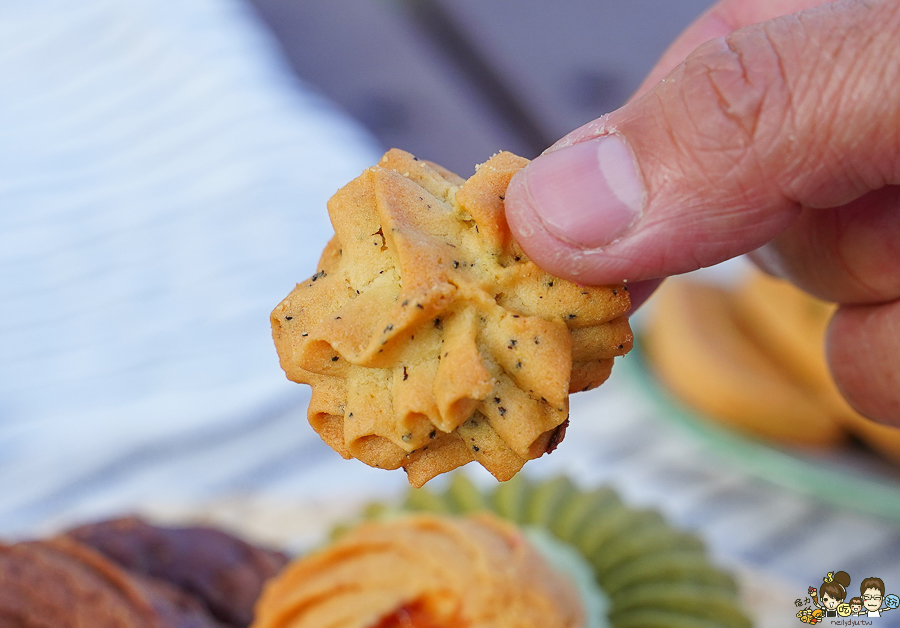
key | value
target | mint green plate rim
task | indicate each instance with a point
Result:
(849, 489)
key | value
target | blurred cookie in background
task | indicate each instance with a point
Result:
(752, 357)
(126, 572)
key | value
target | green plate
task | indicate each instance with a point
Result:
(846, 478)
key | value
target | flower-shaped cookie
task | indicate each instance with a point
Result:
(429, 338)
(423, 570)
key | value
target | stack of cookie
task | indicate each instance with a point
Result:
(753, 358)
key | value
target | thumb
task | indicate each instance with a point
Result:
(802, 111)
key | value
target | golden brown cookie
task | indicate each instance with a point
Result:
(698, 347)
(753, 357)
(427, 335)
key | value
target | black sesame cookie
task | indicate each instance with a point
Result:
(427, 335)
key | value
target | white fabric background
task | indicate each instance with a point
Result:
(163, 180)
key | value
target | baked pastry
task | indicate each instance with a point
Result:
(223, 572)
(429, 338)
(753, 357)
(64, 584)
(654, 575)
(125, 573)
(641, 572)
(423, 571)
(698, 346)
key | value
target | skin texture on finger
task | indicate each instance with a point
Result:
(849, 255)
(719, 20)
(863, 348)
(796, 112)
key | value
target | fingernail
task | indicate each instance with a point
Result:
(588, 194)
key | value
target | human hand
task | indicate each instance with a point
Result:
(781, 138)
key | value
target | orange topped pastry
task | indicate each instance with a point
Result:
(423, 571)
(429, 338)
